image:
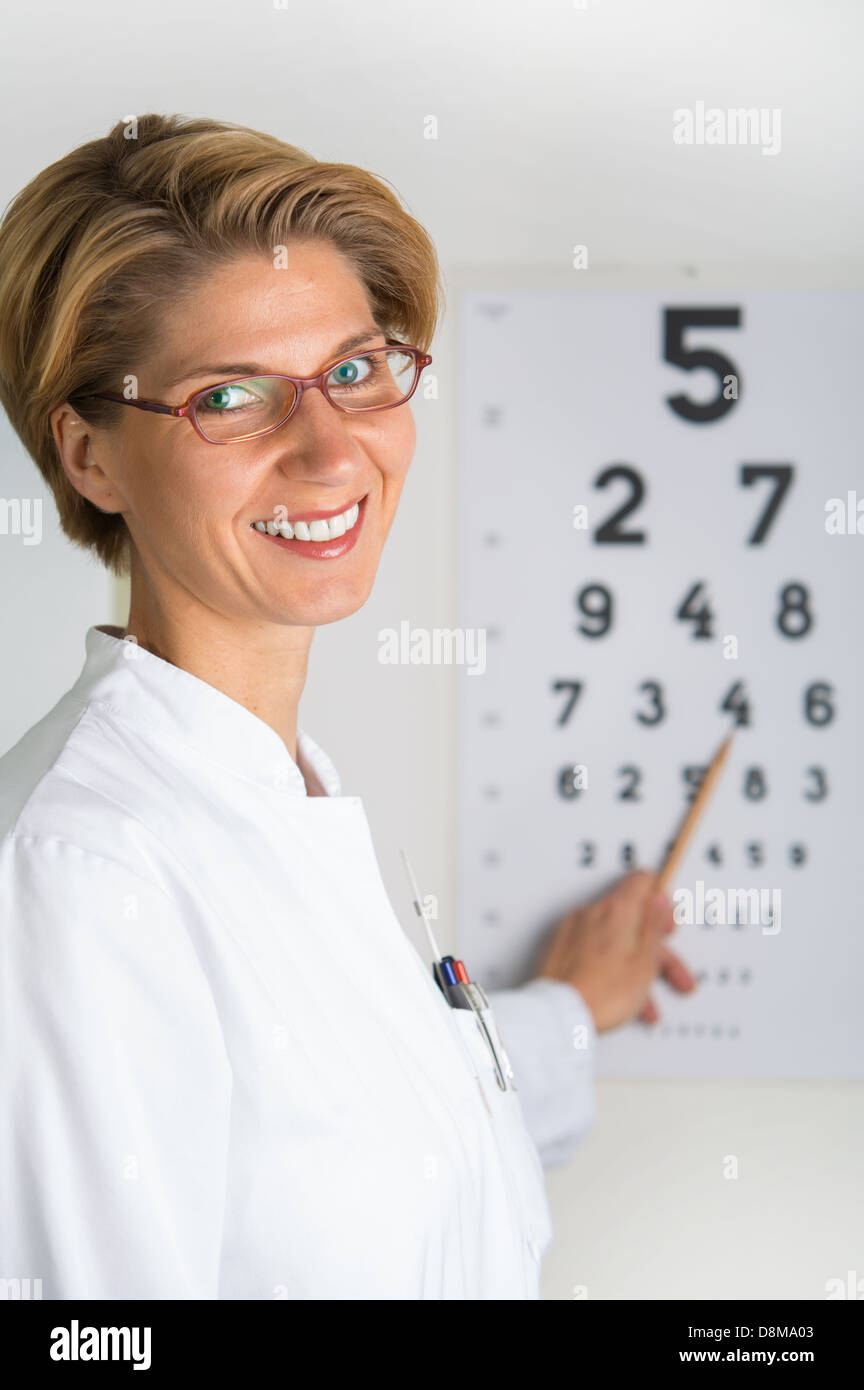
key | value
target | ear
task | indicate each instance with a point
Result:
(75, 444)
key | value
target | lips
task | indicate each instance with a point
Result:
(329, 548)
(310, 515)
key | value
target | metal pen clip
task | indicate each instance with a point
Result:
(499, 1070)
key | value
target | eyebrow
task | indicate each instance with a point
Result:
(223, 371)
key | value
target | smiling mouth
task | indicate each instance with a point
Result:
(313, 528)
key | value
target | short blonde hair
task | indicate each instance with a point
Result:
(102, 241)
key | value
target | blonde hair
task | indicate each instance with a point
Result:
(101, 242)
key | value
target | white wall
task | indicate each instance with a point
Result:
(554, 128)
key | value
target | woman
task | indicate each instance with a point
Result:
(226, 1072)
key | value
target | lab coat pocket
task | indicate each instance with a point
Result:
(518, 1150)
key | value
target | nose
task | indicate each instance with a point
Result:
(317, 440)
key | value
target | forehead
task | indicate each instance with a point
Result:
(296, 303)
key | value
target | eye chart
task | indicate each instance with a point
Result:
(662, 534)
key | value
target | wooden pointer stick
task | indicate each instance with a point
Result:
(688, 825)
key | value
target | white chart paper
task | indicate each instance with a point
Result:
(699, 592)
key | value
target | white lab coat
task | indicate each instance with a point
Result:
(225, 1070)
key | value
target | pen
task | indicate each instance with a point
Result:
(458, 989)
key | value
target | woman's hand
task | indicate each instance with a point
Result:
(612, 950)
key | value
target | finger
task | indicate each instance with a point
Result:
(650, 1012)
(671, 924)
(658, 915)
(675, 972)
(635, 886)
(647, 958)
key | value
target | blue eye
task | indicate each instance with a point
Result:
(348, 374)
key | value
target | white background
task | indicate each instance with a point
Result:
(554, 128)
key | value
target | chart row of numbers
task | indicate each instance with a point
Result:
(817, 703)
(793, 614)
(750, 854)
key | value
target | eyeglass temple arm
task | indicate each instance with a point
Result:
(141, 405)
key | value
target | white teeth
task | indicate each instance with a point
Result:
(327, 530)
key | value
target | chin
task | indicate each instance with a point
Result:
(328, 605)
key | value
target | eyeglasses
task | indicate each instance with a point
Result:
(248, 407)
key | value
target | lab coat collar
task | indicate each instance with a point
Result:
(141, 689)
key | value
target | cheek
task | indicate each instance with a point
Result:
(179, 493)
(392, 445)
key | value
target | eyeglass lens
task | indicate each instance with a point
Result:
(368, 382)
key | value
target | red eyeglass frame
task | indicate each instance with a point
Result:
(187, 410)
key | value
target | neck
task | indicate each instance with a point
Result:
(260, 665)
